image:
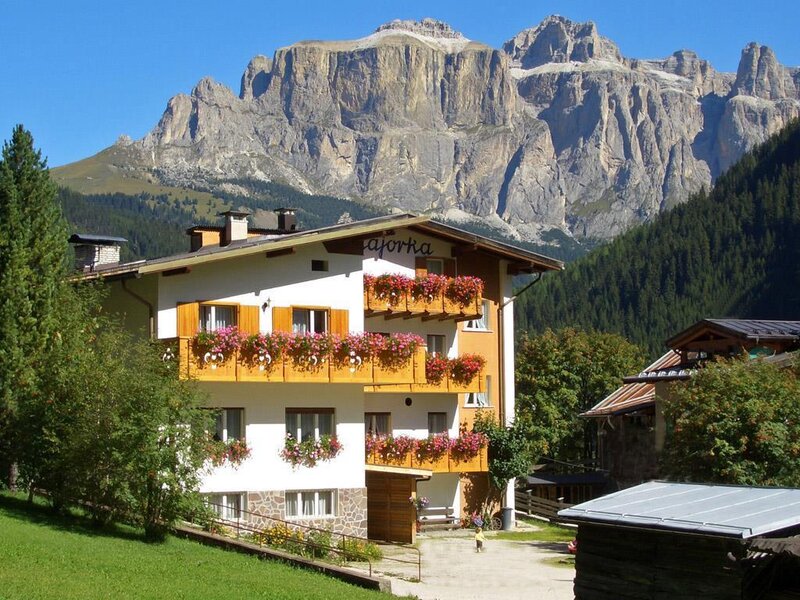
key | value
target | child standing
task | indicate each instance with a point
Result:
(479, 539)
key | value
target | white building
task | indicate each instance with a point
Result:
(304, 281)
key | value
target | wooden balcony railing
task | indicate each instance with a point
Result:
(446, 385)
(210, 367)
(437, 306)
(448, 463)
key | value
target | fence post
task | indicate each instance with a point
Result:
(528, 493)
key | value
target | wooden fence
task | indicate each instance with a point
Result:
(531, 505)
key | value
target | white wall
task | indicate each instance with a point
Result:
(259, 281)
(442, 489)
(413, 420)
(265, 415)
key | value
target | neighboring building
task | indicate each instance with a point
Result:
(631, 427)
(297, 282)
(682, 540)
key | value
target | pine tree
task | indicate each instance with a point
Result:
(33, 250)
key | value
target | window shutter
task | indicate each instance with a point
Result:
(450, 267)
(420, 266)
(282, 318)
(249, 320)
(340, 321)
(188, 319)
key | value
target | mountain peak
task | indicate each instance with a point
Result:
(761, 75)
(558, 40)
(426, 27)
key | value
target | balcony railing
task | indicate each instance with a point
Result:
(445, 384)
(207, 366)
(449, 462)
(401, 299)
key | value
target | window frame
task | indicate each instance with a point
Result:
(436, 261)
(371, 428)
(436, 336)
(223, 412)
(334, 504)
(437, 414)
(481, 324)
(212, 306)
(223, 509)
(312, 312)
(297, 432)
(486, 395)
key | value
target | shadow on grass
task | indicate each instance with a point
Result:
(73, 521)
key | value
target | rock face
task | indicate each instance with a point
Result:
(557, 129)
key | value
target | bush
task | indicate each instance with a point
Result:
(358, 550)
(319, 543)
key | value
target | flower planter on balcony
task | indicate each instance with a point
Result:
(210, 366)
(439, 465)
(478, 462)
(477, 384)
(432, 305)
(306, 371)
(352, 370)
(263, 371)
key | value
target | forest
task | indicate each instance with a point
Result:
(733, 252)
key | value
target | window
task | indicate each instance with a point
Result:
(377, 423)
(481, 324)
(437, 422)
(230, 424)
(309, 424)
(227, 505)
(319, 265)
(309, 320)
(214, 316)
(312, 503)
(479, 399)
(434, 266)
(436, 345)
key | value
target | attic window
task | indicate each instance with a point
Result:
(319, 265)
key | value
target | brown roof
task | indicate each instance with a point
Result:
(635, 395)
(751, 330)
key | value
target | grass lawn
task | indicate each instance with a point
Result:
(546, 532)
(46, 556)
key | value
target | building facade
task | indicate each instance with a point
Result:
(324, 422)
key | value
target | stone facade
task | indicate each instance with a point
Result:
(351, 511)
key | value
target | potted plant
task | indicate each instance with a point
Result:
(463, 294)
(463, 370)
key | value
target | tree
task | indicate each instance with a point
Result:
(511, 450)
(735, 422)
(563, 373)
(33, 252)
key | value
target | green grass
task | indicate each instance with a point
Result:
(546, 532)
(564, 562)
(47, 556)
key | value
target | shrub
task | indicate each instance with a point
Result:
(358, 550)
(319, 543)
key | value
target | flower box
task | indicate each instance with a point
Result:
(211, 366)
(307, 370)
(352, 370)
(478, 384)
(439, 465)
(432, 304)
(262, 371)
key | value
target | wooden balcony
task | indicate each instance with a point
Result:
(209, 367)
(445, 464)
(438, 307)
(445, 386)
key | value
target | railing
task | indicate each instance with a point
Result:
(449, 462)
(446, 385)
(405, 304)
(287, 533)
(533, 505)
(217, 367)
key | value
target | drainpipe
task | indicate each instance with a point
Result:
(507, 504)
(150, 309)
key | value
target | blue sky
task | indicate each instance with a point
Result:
(80, 73)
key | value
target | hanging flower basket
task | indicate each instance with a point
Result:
(310, 452)
(233, 452)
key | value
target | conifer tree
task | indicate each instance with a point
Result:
(33, 250)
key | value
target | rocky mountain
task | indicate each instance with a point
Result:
(555, 130)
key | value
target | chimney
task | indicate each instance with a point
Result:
(235, 227)
(287, 220)
(95, 252)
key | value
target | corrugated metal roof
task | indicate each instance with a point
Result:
(633, 396)
(721, 510)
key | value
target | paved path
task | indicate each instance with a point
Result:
(507, 570)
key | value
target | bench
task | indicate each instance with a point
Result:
(437, 516)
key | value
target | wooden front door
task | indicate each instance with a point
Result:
(390, 516)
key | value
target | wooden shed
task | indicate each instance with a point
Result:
(686, 541)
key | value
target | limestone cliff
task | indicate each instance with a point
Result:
(557, 129)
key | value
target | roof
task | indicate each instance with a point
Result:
(101, 240)
(524, 259)
(635, 395)
(719, 510)
(789, 546)
(590, 478)
(745, 329)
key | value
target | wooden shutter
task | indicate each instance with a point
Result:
(249, 320)
(282, 318)
(450, 267)
(340, 321)
(188, 318)
(421, 266)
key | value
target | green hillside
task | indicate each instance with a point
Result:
(732, 253)
(46, 556)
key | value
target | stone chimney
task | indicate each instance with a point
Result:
(287, 220)
(235, 228)
(95, 252)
